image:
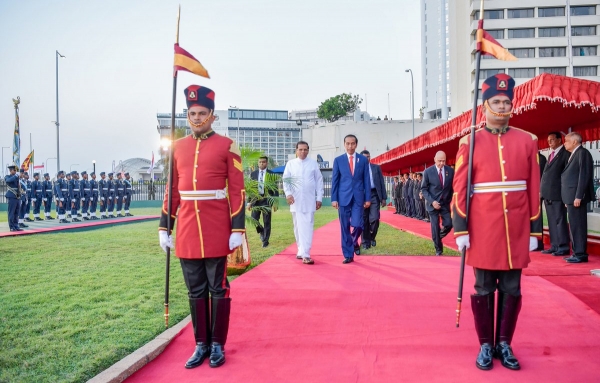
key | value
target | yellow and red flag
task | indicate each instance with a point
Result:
(28, 161)
(187, 62)
(487, 45)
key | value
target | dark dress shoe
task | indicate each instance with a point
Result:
(560, 253)
(265, 244)
(38, 219)
(128, 215)
(22, 225)
(28, 219)
(577, 259)
(438, 253)
(17, 229)
(200, 353)
(373, 243)
(347, 260)
(76, 220)
(357, 250)
(217, 355)
(549, 251)
(485, 358)
(86, 219)
(506, 356)
(63, 221)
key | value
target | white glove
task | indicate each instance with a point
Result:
(101, 198)
(34, 199)
(463, 242)
(533, 243)
(45, 199)
(235, 240)
(62, 200)
(165, 240)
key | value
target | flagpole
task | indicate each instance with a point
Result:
(170, 187)
(470, 170)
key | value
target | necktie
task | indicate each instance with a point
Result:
(261, 185)
(441, 178)
(551, 157)
(351, 165)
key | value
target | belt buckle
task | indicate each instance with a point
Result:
(220, 194)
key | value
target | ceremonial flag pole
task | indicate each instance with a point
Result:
(17, 136)
(487, 45)
(182, 61)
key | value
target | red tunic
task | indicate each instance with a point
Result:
(204, 226)
(506, 198)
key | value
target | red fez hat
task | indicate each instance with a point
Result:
(497, 84)
(199, 95)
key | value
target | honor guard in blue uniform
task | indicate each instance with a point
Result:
(103, 193)
(37, 195)
(13, 197)
(75, 196)
(29, 198)
(61, 191)
(24, 194)
(120, 194)
(111, 196)
(86, 195)
(128, 194)
(93, 196)
(67, 196)
(48, 190)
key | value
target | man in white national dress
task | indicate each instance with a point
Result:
(303, 186)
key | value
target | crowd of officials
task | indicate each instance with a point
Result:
(76, 195)
(408, 198)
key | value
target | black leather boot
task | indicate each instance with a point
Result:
(201, 322)
(509, 307)
(483, 313)
(220, 308)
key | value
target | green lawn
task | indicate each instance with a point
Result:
(73, 303)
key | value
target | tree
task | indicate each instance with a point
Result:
(338, 106)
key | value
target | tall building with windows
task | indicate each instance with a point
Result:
(435, 58)
(269, 131)
(547, 36)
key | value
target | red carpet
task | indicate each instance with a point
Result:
(50, 226)
(379, 319)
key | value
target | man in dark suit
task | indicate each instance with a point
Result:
(350, 194)
(264, 204)
(378, 198)
(537, 226)
(551, 195)
(577, 189)
(410, 209)
(437, 191)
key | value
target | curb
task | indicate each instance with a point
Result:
(124, 368)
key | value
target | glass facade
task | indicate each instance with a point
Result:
(275, 143)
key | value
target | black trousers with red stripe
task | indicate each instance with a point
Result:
(203, 276)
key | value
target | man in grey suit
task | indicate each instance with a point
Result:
(437, 191)
(378, 198)
(577, 189)
(551, 195)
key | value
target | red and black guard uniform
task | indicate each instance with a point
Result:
(505, 205)
(208, 203)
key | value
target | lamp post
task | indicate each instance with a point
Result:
(299, 123)
(3, 168)
(94, 163)
(47, 162)
(237, 113)
(412, 104)
(71, 167)
(57, 120)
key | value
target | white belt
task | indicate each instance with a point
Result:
(199, 195)
(491, 187)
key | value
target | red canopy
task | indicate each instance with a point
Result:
(544, 104)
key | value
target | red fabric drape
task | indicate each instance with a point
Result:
(544, 104)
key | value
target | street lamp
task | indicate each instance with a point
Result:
(238, 118)
(299, 123)
(94, 163)
(412, 109)
(71, 167)
(3, 169)
(57, 120)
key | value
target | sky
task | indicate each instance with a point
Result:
(260, 54)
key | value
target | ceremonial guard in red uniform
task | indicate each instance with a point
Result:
(208, 200)
(505, 203)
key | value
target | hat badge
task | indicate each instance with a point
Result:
(502, 85)
(192, 95)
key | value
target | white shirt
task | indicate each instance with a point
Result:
(302, 179)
